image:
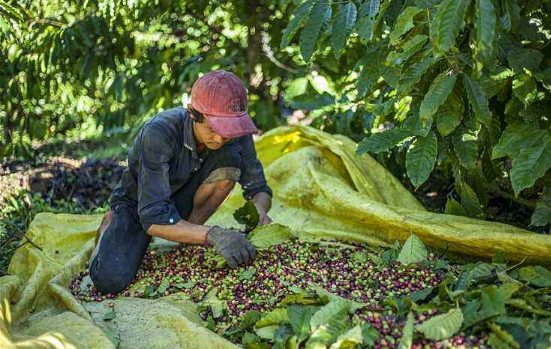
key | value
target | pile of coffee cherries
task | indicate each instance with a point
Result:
(353, 272)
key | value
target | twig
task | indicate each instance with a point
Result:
(306, 272)
(29, 241)
(514, 266)
(46, 21)
(527, 203)
(270, 54)
(32, 243)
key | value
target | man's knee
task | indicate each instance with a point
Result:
(223, 177)
(225, 185)
(111, 280)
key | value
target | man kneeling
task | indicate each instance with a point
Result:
(182, 166)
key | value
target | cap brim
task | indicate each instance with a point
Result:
(231, 127)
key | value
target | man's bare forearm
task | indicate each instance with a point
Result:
(263, 202)
(182, 232)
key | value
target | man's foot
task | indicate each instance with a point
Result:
(107, 217)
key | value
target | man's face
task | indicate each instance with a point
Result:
(206, 135)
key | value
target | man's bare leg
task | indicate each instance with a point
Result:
(107, 217)
(207, 199)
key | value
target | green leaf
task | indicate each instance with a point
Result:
(525, 88)
(407, 333)
(442, 326)
(300, 298)
(492, 301)
(369, 334)
(247, 274)
(349, 340)
(413, 251)
(511, 15)
(369, 8)
(297, 87)
(523, 305)
(438, 92)
(300, 15)
(421, 158)
(325, 314)
(502, 336)
(247, 321)
(478, 101)
(270, 235)
(377, 26)
(187, 285)
(410, 47)
(311, 31)
(274, 317)
(282, 334)
(163, 286)
(466, 149)
(509, 289)
(299, 317)
(450, 114)
(542, 213)
(455, 208)
(10, 12)
(447, 23)
(366, 19)
(327, 324)
(369, 73)
(252, 341)
(516, 137)
(365, 28)
(331, 297)
(312, 102)
(482, 270)
(247, 215)
(495, 82)
(342, 27)
(267, 332)
(110, 315)
(485, 32)
(469, 200)
(530, 165)
(524, 58)
(404, 23)
(383, 141)
(413, 73)
(537, 276)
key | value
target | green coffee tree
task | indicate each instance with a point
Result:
(114, 63)
(459, 85)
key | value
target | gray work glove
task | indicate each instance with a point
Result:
(231, 244)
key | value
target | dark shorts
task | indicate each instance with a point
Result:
(123, 245)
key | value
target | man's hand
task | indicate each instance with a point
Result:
(232, 245)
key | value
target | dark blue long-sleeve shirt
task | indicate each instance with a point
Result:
(162, 159)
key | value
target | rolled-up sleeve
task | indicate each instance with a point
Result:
(252, 178)
(154, 204)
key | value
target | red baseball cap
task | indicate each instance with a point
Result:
(222, 98)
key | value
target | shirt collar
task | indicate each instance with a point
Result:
(189, 137)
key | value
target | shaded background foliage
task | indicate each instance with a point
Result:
(451, 96)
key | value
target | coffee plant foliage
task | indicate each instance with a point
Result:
(113, 64)
(462, 86)
(458, 87)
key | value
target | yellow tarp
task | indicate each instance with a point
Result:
(321, 189)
